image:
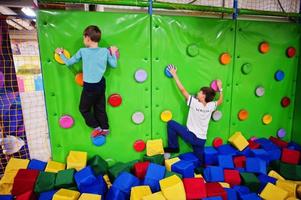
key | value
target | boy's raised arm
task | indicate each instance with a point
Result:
(74, 59)
(173, 72)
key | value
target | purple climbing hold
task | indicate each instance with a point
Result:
(66, 121)
(281, 133)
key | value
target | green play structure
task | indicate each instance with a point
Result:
(194, 45)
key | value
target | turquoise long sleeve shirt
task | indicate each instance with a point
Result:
(94, 62)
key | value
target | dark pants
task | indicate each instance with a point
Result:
(175, 129)
(93, 104)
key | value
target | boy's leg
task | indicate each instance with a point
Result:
(198, 149)
(100, 107)
(86, 102)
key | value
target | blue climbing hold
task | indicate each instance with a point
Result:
(166, 71)
(99, 140)
(279, 75)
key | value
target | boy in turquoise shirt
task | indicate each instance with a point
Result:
(94, 61)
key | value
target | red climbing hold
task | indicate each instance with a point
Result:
(285, 102)
(290, 52)
(115, 100)
(217, 142)
(139, 145)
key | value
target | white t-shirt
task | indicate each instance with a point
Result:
(199, 116)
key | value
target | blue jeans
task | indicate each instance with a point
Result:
(174, 129)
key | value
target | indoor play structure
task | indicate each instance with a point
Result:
(254, 143)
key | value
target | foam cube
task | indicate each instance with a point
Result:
(214, 174)
(53, 166)
(6, 197)
(294, 146)
(116, 194)
(256, 165)
(138, 192)
(224, 184)
(239, 161)
(274, 154)
(264, 179)
(251, 196)
(288, 186)
(24, 181)
(125, 181)
(251, 181)
(271, 192)
(168, 174)
(241, 190)
(239, 141)
(47, 195)
(290, 171)
(299, 191)
(116, 169)
(37, 165)
(153, 175)
(155, 196)
(64, 179)
(266, 144)
(290, 156)
(185, 168)
(29, 195)
(226, 161)
(191, 157)
(195, 188)
(280, 143)
(99, 165)
(84, 177)
(45, 182)
(64, 194)
(231, 194)
(76, 160)
(261, 153)
(14, 164)
(154, 147)
(173, 187)
(275, 175)
(157, 159)
(87, 196)
(253, 144)
(170, 162)
(140, 169)
(215, 189)
(213, 198)
(210, 156)
(97, 187)
(232, 177)
(107, 180)
(226, 149)
(246, 152)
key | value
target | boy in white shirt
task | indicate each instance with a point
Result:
(200, 110)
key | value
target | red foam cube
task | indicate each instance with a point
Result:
(215, 189)
(140, 169)
(26, 196)
(24, 181)
(239, 161)
(232, 177)
(195, 188)
(280, 143)
(253, 144)
(290, 156)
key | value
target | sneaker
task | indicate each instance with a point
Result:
(171, 150)
(96, 132)
(105, 132)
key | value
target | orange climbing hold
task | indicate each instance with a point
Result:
(264, 47)
(79, 79)
(225, 58)
(243, 115)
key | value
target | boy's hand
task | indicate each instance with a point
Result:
(113, 50)
(219, 84)
(172, 69)
(59, 51)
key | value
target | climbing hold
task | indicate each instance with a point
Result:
(279, 75)
(290, 52)
(246, 68)
(79, 79)
(192, 50)
(1, 80)
(267, 119)
(217, 115)
(213, 85)
(115, 100)
(253, 138)
(217, 142)
(281, 133)
(167, 73)
(225, 58)
(139, 145)
(99, 140)
(264, 47)
(58, 59)
(259, 91)
(243, 115)
(117, 52)
(140, 75)
(285, 102)
(66, 121)
(166, 116)
(138, 117)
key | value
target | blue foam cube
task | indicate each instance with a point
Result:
(274, 154)
(241, 190)
(231, 193)
(185, 168)
(226, 149)
(264, 180)
(210, 156)
(116, 194)
(256, 165)
(125, 181)
(37, 165)
(226, 161)
(266, 144)
(97, 187)
(213, 198)
(214, 174)
(240, 169)
(261, 153)
(6, 197)
(251, 196)
(85, 177)
(191, 157)
(47, 195)
(294, 146)
(154, 173)
(246, 152)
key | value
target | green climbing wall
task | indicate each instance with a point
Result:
(192, 44)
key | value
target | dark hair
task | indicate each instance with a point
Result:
(209, 93)
(93, 32)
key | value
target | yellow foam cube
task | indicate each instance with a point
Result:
(272, 192)
(64, 194)
(86, 196)
(155, 196)
(198, 175)
(6, 182)
(170, 162)
(14, 164)
(292, 198)
(239, 141)
(275, 175)
(289, 186)
(299, 191)
(53, 166)
(77, 160)
(154, 147)
(140, 191)
(107, 180)
(224, 185)
(172, 188)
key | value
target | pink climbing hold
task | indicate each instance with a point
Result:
(117, 52)
(66, 121)
(214, 85)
